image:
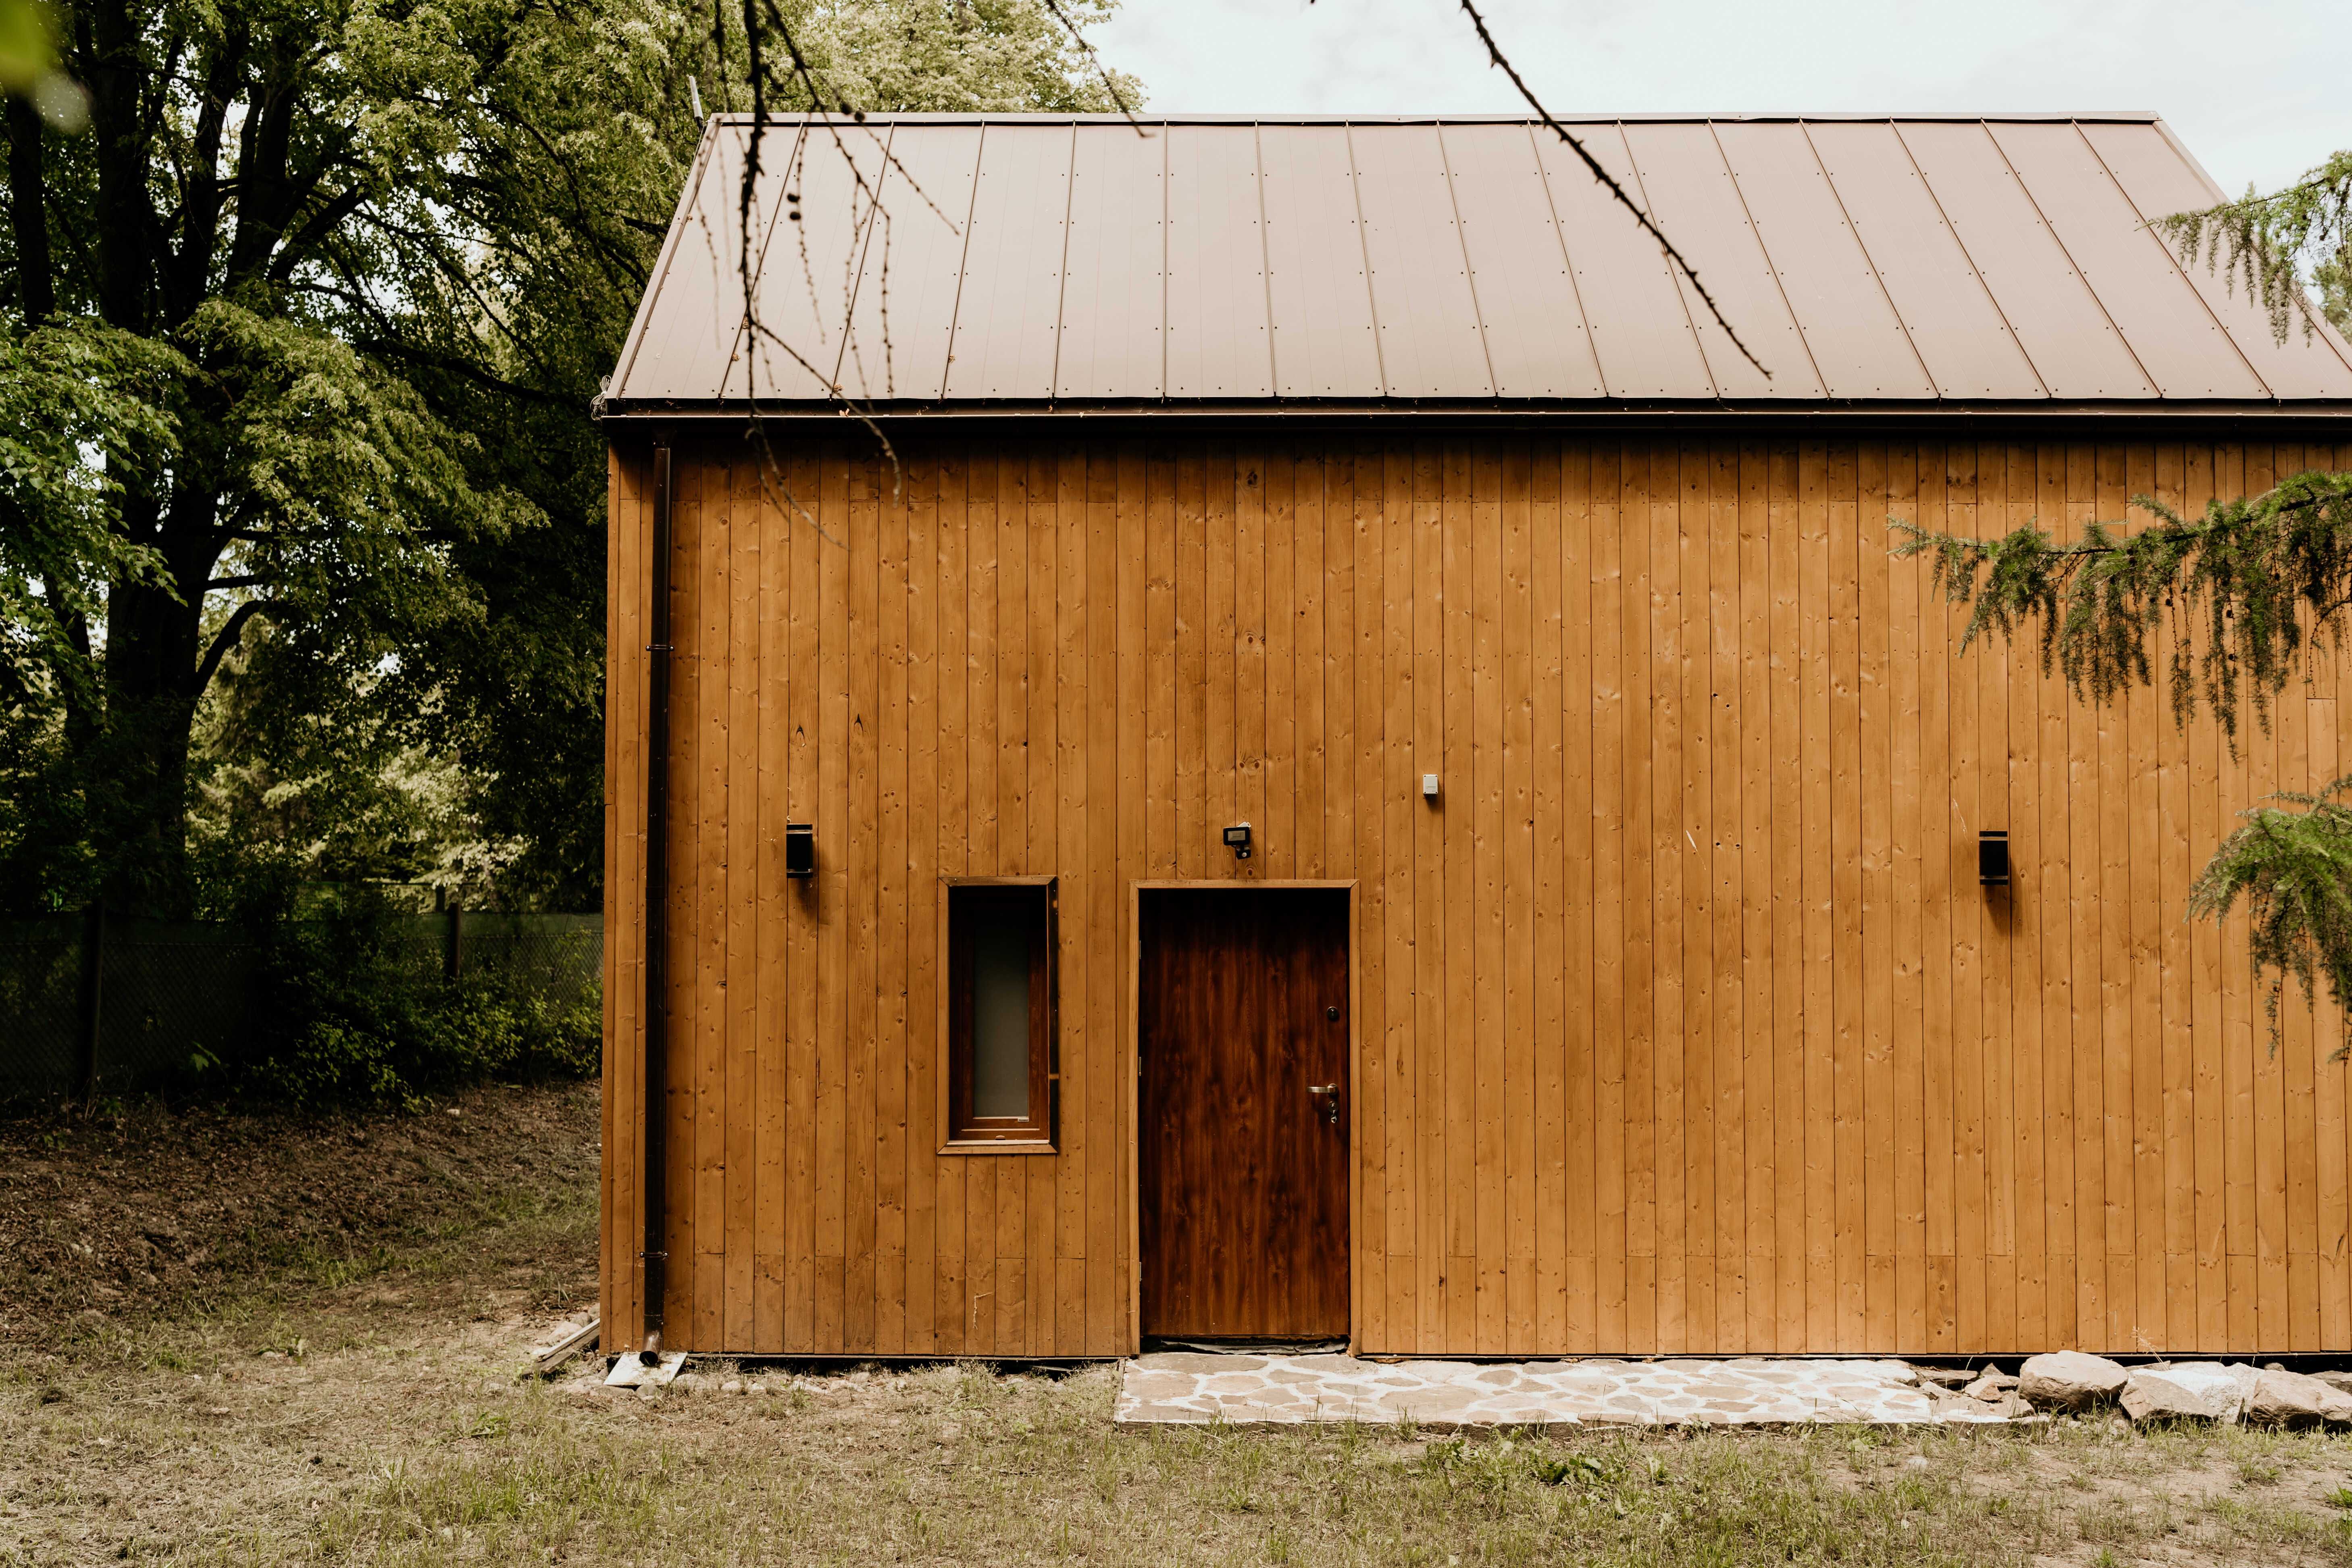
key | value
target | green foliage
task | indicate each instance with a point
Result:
(2241, 597)
(995, 57)
(2238, 595)
(69, 392)
(346, 1013)
(301, 501)
(327, 294)
(2274, 245)
(2292, 868)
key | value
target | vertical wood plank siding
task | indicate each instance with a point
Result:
(1681, 1021)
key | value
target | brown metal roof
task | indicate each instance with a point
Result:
(995, 261)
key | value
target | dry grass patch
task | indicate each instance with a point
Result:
(377, 1411)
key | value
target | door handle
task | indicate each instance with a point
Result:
(1329, 1094)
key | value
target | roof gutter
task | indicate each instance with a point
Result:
(1505, 117)
(1516, 415)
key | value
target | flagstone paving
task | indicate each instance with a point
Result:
(1182, 1387)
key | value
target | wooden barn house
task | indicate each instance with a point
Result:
(1323, 757)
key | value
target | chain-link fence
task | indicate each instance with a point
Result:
(559, 956)
(113, 1006)
(42, 1048)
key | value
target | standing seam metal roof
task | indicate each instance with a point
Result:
(940, 260)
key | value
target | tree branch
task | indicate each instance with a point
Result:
(1624, 198)
(458, 365)
(1102, 72)
(227, 639)
(2239, 593)
(581, 223)
(314, 229)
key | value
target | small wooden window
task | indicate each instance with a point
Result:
(1000, 1036)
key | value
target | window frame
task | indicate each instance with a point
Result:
(959, 1132)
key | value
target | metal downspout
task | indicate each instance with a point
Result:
(656, 994)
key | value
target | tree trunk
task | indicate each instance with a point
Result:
(153, 645)
(141, 822)
(28, 218)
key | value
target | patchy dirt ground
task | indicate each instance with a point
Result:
(343, 1378)
(152, 1209)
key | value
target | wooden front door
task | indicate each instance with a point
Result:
(1243, 1121)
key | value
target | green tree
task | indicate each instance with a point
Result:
(344, 275)
(2230, 604)
(2278, 246)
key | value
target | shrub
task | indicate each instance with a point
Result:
(347, 1007)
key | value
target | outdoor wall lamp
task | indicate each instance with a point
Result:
(1993, 858)
(800, 849)
(1237, 840)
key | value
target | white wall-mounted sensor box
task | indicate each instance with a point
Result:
(1429, 786)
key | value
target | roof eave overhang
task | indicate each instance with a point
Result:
(1511, 412)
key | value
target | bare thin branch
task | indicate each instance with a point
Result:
(1102, 72)
(1495, 55)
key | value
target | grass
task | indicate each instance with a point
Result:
(371, 1407)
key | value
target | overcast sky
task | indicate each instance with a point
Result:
(2256, 88)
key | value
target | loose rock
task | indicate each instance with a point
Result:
(2225, 1388)
(2291, 1399)
(1993, 1387)
(2151, 1395)
(2070, 1380)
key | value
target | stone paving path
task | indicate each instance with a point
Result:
(1189, 1388)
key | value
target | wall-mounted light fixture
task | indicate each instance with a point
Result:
(1993, 858)
(800, 849)
(1237, 840)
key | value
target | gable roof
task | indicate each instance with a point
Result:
(1068, 262)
